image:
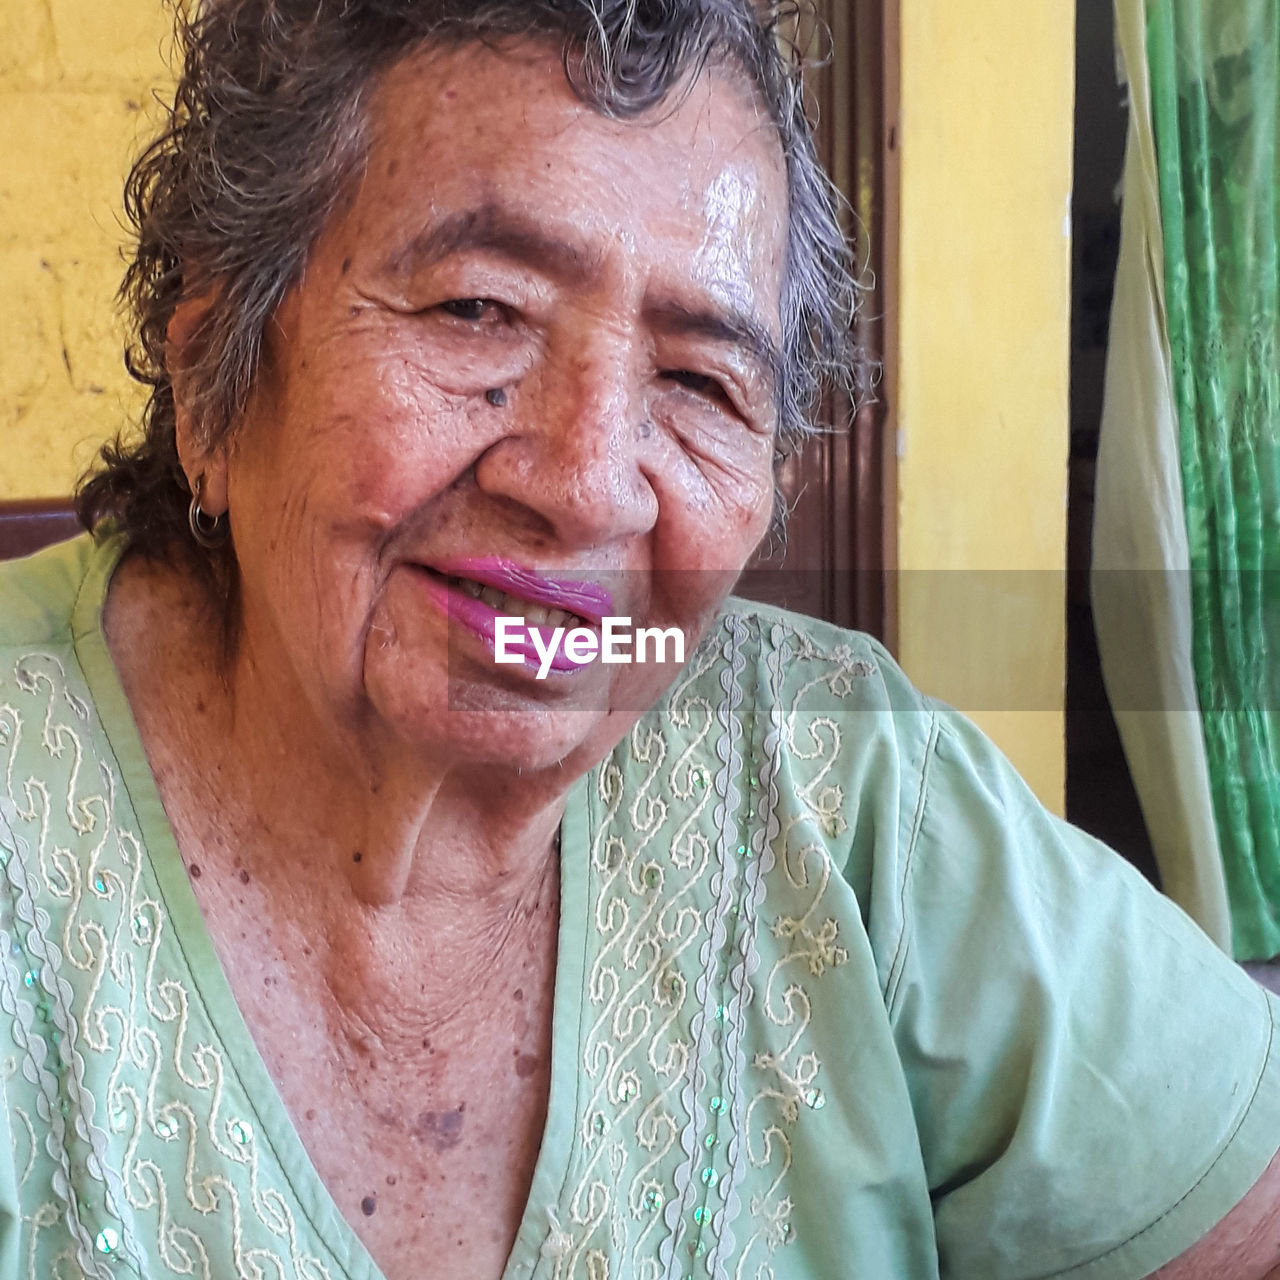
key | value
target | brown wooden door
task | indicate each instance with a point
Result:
(838, 554)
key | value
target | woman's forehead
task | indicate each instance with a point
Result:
(460, 130)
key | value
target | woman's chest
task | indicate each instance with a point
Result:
(698, 1115)
(422, 1118)
(428, 1168)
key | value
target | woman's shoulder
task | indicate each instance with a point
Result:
(836, 700)
(41, 595)
(815, 721)
(813, 668)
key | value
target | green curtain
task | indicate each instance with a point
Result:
(1215, 95)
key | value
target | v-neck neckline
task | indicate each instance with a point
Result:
(321, 1211)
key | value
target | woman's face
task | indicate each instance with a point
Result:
(536, 354)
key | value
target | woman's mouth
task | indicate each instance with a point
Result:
(477, 594)
(507, 605)
(525, 589)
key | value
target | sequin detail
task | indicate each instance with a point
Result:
(113, 1043)
(678, 929)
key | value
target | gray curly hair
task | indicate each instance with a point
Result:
(266, 139)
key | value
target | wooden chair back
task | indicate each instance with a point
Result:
(27, 524)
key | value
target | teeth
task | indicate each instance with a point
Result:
(512, 606)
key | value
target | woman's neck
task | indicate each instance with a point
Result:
(255, 783)
(389, 936)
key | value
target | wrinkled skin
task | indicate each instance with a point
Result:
(620, 282)
(371, 801)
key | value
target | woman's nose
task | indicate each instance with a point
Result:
(574, 452)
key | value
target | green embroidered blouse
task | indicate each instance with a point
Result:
(835, 998)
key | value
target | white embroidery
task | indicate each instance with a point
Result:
(685, 906)
(110, 1033)
(707, 932)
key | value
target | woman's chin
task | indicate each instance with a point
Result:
(468, 724)
(471, 710)
(517, 742)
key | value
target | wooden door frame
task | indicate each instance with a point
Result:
(839, 556)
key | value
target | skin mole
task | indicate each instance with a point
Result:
(440, 1130)
(345, 434)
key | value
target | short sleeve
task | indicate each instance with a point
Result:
(1095, 1084)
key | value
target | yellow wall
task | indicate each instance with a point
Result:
(984, 141)
(76, 79)
(982, 372)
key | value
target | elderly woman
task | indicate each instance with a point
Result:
(333, 946)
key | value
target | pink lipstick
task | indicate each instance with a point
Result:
(589, 601)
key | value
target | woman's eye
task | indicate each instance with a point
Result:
(698, 382)
(472, 309)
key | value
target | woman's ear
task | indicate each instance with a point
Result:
(205, 466)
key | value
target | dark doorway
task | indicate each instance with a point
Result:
(1100, 794)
